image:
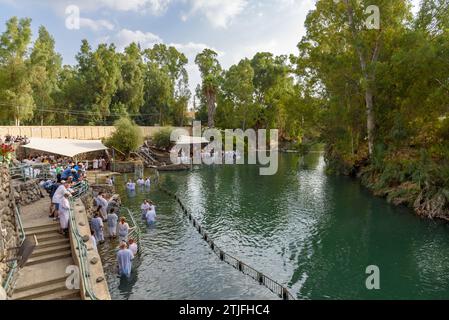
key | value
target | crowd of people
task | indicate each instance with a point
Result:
(8, 139)
(106, 214)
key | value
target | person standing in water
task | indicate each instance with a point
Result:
(133, 247)
(124, 261)
(148, 183)
(145, 207)
(140, 182)
(151, 215)
(97, 226)
(112, 224)
(131, 186)
(123, 230)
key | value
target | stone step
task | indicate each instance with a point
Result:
(49, 237)
(39, 251)
(53, 225)
(62, 295)
(48, 257)
(53, 242)
(40, 284)
(44, 230)
(42, 291)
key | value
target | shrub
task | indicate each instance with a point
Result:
(161, 139)
(126, 138)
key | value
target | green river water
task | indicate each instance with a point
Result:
(315, 234)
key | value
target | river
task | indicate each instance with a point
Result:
(314, 233)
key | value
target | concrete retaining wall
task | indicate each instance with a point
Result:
(69, 132)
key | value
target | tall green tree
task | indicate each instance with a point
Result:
(99, 77)
(238, 91)
(169, 60)
(16, 95)
(130, 93)
(211, 73)
(45, 65)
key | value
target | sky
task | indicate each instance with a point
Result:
(235, 29)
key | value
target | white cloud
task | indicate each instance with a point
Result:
(219, 13)
(96, 25)
(153, 6)
(125, 37)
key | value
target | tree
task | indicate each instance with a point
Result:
(15, 92)
(158, 94)
(210, 70)
(173, 63)
(338, 33)
(45, 66)
(126, 138)
(99, 77)
(238, 90)
(130, 94)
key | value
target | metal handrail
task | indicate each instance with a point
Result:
(28, 171)
(264, 280)
(82, 189)
(12, 272)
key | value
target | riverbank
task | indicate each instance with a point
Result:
(406, 177)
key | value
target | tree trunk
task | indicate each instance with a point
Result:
(370, 119)
(210, 96)
(368, 75)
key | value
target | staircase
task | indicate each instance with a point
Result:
(44, 276)
(148, 158)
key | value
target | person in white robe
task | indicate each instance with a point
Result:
(131, 186)
(123, 230)
(133, 247)
(103, 206)
(64, 213)
(97, 226)
(151, 215)
(95, 164)
(124, 261)
(58, 196)
(112, 224)
(94, 241)
(144, 208)
(140, 182)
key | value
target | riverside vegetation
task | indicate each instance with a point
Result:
(378, 99)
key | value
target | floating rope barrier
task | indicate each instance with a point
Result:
(262, 279)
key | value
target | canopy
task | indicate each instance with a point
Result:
(65, 147)
(191, 140)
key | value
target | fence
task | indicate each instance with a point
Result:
(31, 171)
(262, 279)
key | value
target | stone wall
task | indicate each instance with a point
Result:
(70, 132)
(27, 192)
(127, 166)
(9, 236)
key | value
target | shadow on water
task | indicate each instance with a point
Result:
(311, 232)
